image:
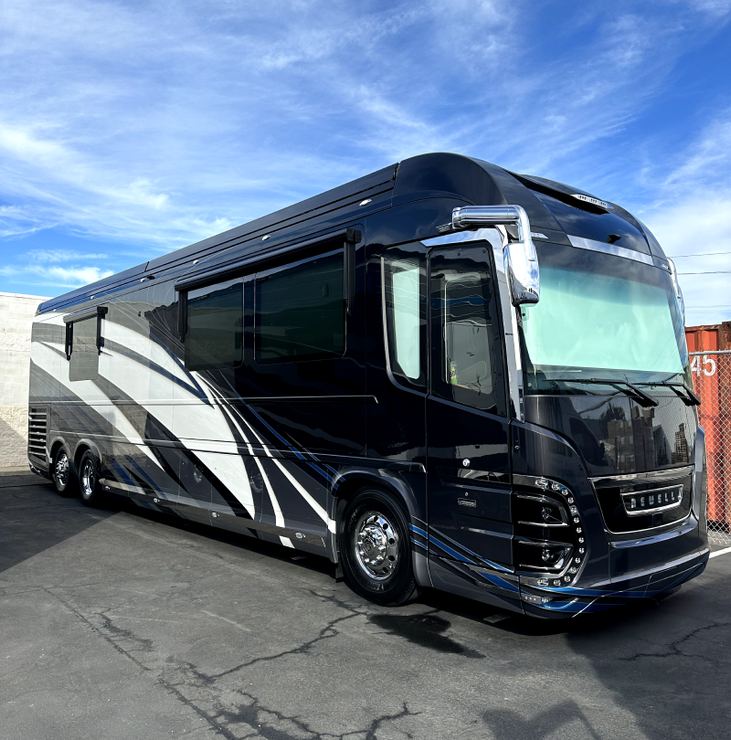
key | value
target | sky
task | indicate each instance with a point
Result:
(129, 129)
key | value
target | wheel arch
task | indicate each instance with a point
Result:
(352, 481)
(391, 482)
(55, 443)
(81, 447)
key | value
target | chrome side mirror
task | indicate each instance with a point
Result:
(520, 259)
(678, 291)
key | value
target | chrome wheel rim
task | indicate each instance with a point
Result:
(61, 470)
(88, 479)
(376, 545)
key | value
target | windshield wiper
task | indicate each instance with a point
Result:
(628, 388)
(690, 400)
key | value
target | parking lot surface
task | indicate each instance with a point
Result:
(120, 623)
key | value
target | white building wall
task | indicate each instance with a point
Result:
(16, 318)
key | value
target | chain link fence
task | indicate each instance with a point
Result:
(712, 381)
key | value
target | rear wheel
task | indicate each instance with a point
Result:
(62, 473)
(89, 479)
(375, 549)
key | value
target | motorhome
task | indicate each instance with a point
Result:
(442, 374)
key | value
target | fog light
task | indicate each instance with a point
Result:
(533, 599)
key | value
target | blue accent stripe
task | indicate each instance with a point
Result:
(142, 472)
(318, 469)
(418, 530)
(495, 566)
(456, 555)
(600, 598)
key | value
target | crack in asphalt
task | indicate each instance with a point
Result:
(123, 634)
(327, 632)
(376, 724)
(250, 714)
(127, 654)
(674, 646)
(260, 720)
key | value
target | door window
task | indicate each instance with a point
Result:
(466, 355)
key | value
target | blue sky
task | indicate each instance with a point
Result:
(128, 129)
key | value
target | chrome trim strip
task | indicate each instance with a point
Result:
(658, 475)
(635, 536)
(545, 525)
(510, 326)
(596, 246)
(456, 237)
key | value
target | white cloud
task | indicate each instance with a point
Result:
(179, 125)
(61, 277)
(60, 255)
(72, 276)
(692, 218)
(714, 8)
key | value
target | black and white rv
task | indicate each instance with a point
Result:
(442, 374)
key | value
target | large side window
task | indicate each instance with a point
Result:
(467, 361)
(405, 288)
(214, 334)
(300, 311)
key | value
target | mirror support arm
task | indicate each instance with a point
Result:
(520, 258)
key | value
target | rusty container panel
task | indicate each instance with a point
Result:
(711, 368)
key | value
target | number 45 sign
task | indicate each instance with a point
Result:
(708, 365)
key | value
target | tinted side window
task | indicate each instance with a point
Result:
(405, 288)
(300, 312)
(467, 358)
(84, 362)
(215, 326)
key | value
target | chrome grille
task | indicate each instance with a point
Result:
(642, 501)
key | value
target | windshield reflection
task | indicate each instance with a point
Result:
(601, 318)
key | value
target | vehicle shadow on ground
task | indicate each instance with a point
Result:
(297, 558)
(34, 518)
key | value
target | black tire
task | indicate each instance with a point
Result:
(62, 472)
(375, 548)
(91, 494)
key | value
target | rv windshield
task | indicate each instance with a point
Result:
(601, 316)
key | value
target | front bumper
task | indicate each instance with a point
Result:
(570, 601)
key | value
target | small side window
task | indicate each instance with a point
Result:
(82, 347)
(300, 312)
(404, 278)
(214, 335)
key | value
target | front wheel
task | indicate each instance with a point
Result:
(89, 479)
(375, 549)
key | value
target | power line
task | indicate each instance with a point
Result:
(700, 254)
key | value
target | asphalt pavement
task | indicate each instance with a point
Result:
(117, 622)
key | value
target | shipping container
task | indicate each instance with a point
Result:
(710, 348)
